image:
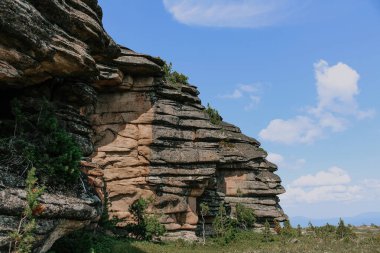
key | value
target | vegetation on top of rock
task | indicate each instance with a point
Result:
(39, 141)
(174, 77)
(214, 115)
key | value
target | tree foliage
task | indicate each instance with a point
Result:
(24, 237)
(174, 77)
(215, 118)
(146, 226)
(245, 216)
(39, 141)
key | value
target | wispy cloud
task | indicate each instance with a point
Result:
(332, 176)
(337, 88)
(248, 92)
(331, 185)
(232, 13)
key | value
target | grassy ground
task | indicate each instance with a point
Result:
(367, 241)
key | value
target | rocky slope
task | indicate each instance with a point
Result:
(150, 137)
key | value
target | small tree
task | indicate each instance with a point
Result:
(288, 230)
(204, 211)
(146, 226)
(224, 227)
(174, 77)
(245, 216)
(343, 231)
(267, 234)
(299, 230)
(22, 240)
(215, 118)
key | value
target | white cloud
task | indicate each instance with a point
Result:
(337, 88)
(297, 130)
(232, 13)
(281, 162)
(336, 193)
(246, 91)
(234, 95)
(332, 176)
(373, 187)
(332, 184)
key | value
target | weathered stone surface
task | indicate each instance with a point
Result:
(36, 46)
(61, 214)
(146, 138)
(155, 140)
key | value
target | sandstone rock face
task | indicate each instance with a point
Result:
(43, 39)
(62, 212)
(146, 137)
(154, 140)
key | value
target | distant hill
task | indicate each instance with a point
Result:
(361, 219)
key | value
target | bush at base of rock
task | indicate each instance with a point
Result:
(245, 216)
(146, 226)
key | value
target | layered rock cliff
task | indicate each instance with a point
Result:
(150, 137)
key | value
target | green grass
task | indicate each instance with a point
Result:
(245, 242)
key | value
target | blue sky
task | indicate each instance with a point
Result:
(301, 76)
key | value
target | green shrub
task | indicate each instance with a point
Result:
(267, 234)
(288, 230)
(343, 231)
(84, 241)
(215, 118)
(24, 238)
(173, 77)
(39, 141)
(146, 226)
(299, 230)
(224, 226)
(245, 216)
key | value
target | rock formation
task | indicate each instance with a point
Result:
(154, 139)
(144, 136)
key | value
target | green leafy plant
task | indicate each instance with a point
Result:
(174, 77)
(344, 232)
(146, 226)
(245, 216)
(288, 230)
(267, 234)
(39, 141)
(299, 230)
(215, 118)
(224, 226)
(22, 240)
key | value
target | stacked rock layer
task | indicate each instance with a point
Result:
(142, 136)
(155, 140)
